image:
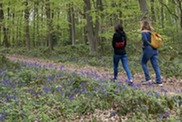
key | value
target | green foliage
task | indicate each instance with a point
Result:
(2, 59)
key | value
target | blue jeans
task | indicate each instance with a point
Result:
(124, 60)
(150, 54)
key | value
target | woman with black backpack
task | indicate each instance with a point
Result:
(119, 43)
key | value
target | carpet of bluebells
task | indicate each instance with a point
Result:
(32, 92)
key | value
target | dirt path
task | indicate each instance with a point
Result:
(172, 86)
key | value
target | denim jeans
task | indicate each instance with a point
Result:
(124, 60)
(150, 54)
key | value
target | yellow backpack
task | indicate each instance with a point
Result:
(156, 40)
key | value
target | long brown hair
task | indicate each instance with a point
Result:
(145, 25)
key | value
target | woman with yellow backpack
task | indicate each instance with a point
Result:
(149, 53)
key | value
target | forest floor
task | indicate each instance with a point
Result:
(171, 86)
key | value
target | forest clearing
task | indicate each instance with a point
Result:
(58, 61)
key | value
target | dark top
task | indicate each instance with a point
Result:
(146, 39)
(117, 37)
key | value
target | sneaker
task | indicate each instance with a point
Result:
(113, 79)
(146, 82)
(130, 83)
(158, 83)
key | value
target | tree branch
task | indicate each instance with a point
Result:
(169, 10)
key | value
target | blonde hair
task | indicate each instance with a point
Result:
(145, 25)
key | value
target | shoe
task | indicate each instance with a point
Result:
(130, 83)
(113, 79)
(158, 83)
(146, 82)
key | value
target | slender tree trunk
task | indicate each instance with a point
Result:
(71, 20)
(37, 22)
(27, 14)
(180, 13)
(181, 19)
(17, 31)
(34, 25)
(20, 41)
(90, 28)
(114, 19)
(5, 41)
(85, 28)
(49, 25)
(9, 30)
(143, 8)
(153, 11)
(97, 28)
(162, 15)
(72, 25)
(100, 8)
(42, 43)
(13, 30)
(5, 29)
(1, 16)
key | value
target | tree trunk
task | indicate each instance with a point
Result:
(85, 28)
(49, 25)
(162, 15)
(1, 17)
(72, 25)
(8, 31)
(71, 20)
(153, 11)
(143, 8)
(37, 23)
(5, 29)
(34, 24)
(92, 32)
(114, 19)
(42, 43)
(27, 14)
(13, 33)
(180, 13)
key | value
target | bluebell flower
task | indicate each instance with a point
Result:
(50, 78)
(164, 90)
(59, 88)
(2, 117)
(95, 88)
(126, 81)
(51, 66)
(71, 97)
(61, 67)
(83, 91)
(180, 103)
(138, 85)
(9, 98)
(167, 114)
(176, 89)
(47, 89)
(103, 91)
(63, 93)
(124, 87)
(161, 116)
(149, 93)
(157, 94)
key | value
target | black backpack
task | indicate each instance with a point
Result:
(120, 43)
